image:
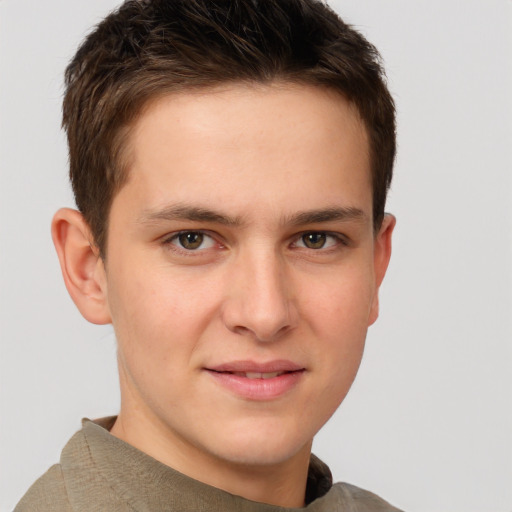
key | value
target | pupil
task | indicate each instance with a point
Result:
(314, 240)
(191, 240)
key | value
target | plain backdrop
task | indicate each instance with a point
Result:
(428, 423)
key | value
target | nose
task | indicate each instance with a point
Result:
(259, 299)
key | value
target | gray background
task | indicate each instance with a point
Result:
(428, 423)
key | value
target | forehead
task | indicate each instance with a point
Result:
(240, 143)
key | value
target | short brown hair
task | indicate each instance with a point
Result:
(147, 48)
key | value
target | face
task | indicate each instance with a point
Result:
(241, 271)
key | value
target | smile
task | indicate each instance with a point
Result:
(257, 382)
(258, 375)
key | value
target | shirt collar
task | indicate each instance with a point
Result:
(147, 484)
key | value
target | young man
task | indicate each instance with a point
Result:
(230, 162)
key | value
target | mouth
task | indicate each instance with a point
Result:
(258, 375)
(257, 370)
(254, 381)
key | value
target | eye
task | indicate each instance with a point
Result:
(192, 240)
(318, 240)
(314, 240)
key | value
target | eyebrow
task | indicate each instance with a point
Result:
(199, 214)
(327, 215)
(185, 212)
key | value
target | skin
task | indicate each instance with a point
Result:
(261, 160)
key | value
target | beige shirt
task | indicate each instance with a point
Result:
(99, 472)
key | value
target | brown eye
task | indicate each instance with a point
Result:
(314, 240)
(191, 240)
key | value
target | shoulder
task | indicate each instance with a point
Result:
(48, 493)
(361, 500)
(74, 485)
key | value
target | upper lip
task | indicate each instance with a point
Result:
(280, 366)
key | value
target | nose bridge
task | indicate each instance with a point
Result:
(261, 300)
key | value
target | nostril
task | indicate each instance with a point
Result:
(262, 335)
(259, 303)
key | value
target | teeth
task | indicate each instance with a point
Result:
(256, 375)
(270, 375)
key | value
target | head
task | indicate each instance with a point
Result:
(230, 160)
(148, 49)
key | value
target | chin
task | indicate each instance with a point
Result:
(262, 456)
(256, 446)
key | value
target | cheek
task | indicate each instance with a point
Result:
(338, 313)
(340, 305)
(157, 313)
(158, 326)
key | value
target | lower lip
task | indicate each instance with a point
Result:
(258, 389)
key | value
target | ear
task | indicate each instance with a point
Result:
(82, 267)
(381, 256)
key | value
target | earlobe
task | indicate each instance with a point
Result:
(82, 267)
(381, 257)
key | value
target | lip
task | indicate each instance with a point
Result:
(260, 388)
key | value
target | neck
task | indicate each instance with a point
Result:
(282, 483)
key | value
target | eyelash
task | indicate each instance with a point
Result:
(339, 240)
(168, 241)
